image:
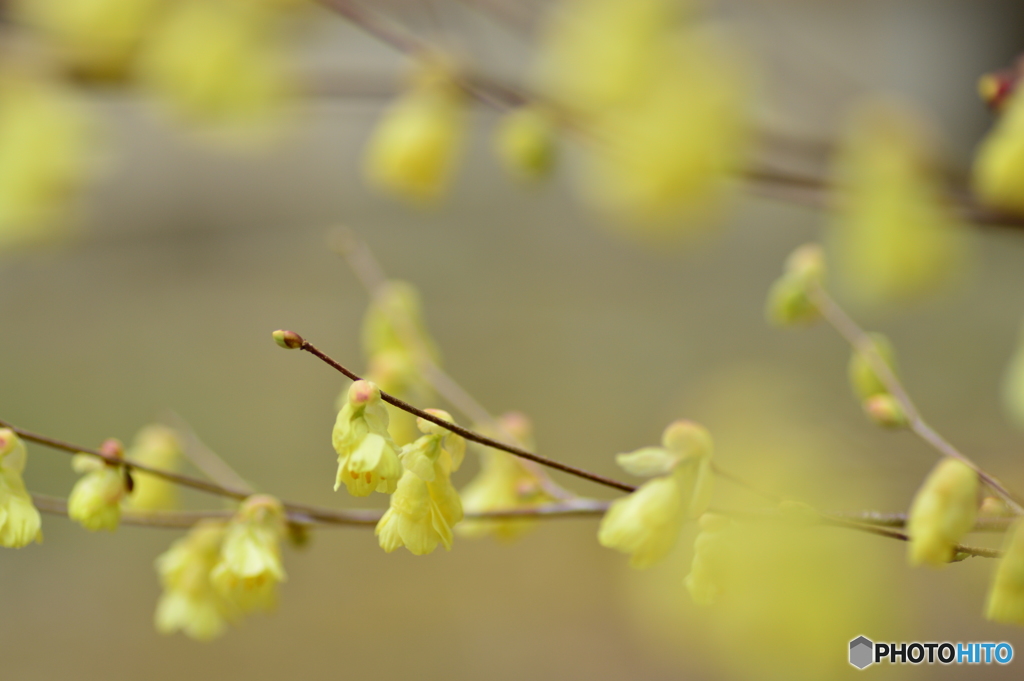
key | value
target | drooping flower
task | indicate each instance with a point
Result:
(659, 102)
(189, 602)
(942, 512)
(217, 62)
(413, 150)
(646, 523)
(45, 143)
(425, 506)
(98, 38)
(249, 567)
(895, 235)
(19, 520)
(157, 446)
(998, 173)
(95, 500)
(505, 483)
(713, 558)
(1006, 595)
(367, 456)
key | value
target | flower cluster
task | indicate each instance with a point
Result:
(425, 506)
(222, 570)
(367, 457)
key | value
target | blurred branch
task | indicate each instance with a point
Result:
(862, 343)
(206, 460)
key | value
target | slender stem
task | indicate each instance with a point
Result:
(466, 433)
(325, 517)
(205, 459)
(862, 343)
(177, 478)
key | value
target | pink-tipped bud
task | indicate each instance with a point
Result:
(288, 339)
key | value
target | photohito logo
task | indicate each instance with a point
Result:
(865, 652)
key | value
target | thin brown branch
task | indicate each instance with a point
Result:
(466, 433)
(862, 343)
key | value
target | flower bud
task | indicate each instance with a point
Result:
(998, 173)
(157, 446)
(863, 379)
(525, 143)
(1006, 595)
(367, 456)
(884, 410)
(288, 339)
(943, 511)
(789, 299)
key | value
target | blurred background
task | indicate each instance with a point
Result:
(188, 252)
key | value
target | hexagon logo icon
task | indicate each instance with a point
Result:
(861, 650)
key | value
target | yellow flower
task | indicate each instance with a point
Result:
(437, 453)
(999, 163)
(394, 322)
(44, 144)
(421, 515)
(95, 500)
(665, 155)
(367, 457)
(98, 37)
(413, 151)
(525, 143)
(425, 506)
(943, 511)
(216, 61)
(190, 603)
(895, 235)
(19, 520)
(646, 523)
(1006, 595)
(249, 567)
(713, 559)
(863, 379)
(789, 300)
(156, 446)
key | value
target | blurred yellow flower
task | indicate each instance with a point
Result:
(249, 568)
(789, 299)
(505, 482)
(998, 173)
(1006, 595)
(646, 523)
(189, 602)
(44, 145)
(95, 500)
(19, 520)
(97, 37)
(525, 142)
(943, 511)
(413, 150)
(217, 61)
(367, 457)
(658, 102)
(895, 236)
(863, 379)
(713, 558)
(157, 446)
